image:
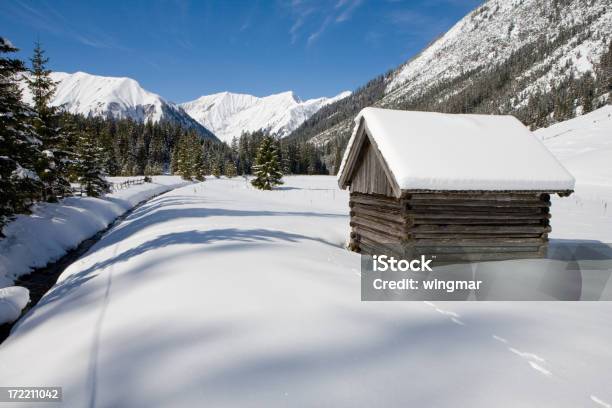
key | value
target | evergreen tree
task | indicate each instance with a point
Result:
(52, 166)
(216, 168)
(267, 167)
(183, 165)
(230, 169)
(20, 186)
(198, 165)
(89, 166)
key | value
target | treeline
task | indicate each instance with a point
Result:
(44, 150)
(131, 148)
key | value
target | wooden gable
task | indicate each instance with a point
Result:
(366, 171)
(369, 177)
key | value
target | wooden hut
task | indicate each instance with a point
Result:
(460, 187)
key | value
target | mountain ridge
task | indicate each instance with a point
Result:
(229, 114)
(115, 97)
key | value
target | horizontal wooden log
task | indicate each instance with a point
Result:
(478, 196)
(377, 235)
(389, 216)
(379, 249)
(448, 235)
(482, 257)
(459, 216)
(508, 222)
(522, 229)
(375, 203)
(375, 200)
(368, 248)
(474, 249)
(475, 206)
(380, 225)
(460, 241)
(440, 210)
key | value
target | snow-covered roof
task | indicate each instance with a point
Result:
(436, 151)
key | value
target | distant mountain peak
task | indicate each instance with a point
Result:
(117, 97)
(228, 114)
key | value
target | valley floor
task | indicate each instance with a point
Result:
(217, 294)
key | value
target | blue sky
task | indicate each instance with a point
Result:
(182, 49)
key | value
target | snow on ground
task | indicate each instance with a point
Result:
(12, 301)
(584, 147)
(217, 294)
(51, 230)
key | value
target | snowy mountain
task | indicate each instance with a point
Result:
(578, 30)
(229, 114)
(527, 58)
(120, 98)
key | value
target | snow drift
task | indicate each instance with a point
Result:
(12, 301)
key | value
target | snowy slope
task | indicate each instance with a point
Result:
(229, 114)
(491, 33)
(120, 98)
(584, 146)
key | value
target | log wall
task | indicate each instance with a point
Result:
(452, 226)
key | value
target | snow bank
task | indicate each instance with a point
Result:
(436, 151)
(583, 145)
(12, 302)
(34, 240)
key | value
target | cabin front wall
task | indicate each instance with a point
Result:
(452, 226)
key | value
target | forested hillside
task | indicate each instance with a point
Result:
(542, 61)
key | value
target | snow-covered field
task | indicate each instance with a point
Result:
(584, 146)
(53, 229)
(222, 295)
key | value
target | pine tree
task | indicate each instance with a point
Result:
(20, 186)
(89, 166)
(183, 162)
(198, 165)
(52, 167)
(216, 168)
(230, 169)
(267, 168)
(285, 157)
(175, 159)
